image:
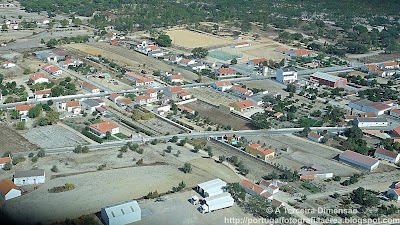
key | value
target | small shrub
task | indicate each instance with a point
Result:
(7, 166)
(102, 167)
(31, 155)
(41, 153)
(139, 162)
(187, 168)
(54, 169)
(35, 159)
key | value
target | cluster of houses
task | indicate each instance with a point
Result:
(382, 69)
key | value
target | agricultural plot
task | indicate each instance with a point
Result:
(162, 126)
(12, 141)
(219, 117)
(211, 96)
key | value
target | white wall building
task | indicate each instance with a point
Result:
(121, 213)
(315, 137)
(358, 160)
(371, 122)
(29, 177)
(288, 75)
(391, 156)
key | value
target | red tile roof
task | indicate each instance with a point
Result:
(185, 60)
(301, 52)
(223, 83)
(397, 111)
(258, 61)
(24, 107)
(378, 106)
(174, 77)
(114, 95)
(369, 114)
(182, 107)
(239, 89)
(225, 71)
(6, 186)
(103, 127)
(43, 92)
(53, 69)
(391, 64)
(150, 91)
(391, 154)
(126, 101)
(35, 76)
(282, 49)
(241, 43)
(90, 86)
(244, 104)
(141, 97)
(5, 160)
(72, 103)
(314, 135)
(251, 186)
(175, 90)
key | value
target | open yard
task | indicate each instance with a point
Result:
(258, 49)
(219, 117)
(121, 179)
(191, 39)
(162, 126)
(53, 137)
(12, 141)
(130, 59)
(212, 96)
(303, 151)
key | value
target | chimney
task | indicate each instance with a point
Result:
(97, 126)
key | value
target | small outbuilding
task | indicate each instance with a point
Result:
(121, 213)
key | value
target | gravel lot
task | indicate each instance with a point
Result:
(121, 180)
(211, 96)
(53, 137)
(219, 117)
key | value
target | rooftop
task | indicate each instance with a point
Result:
(391, 154)
(6, 186)
(325, 76)
(354, 156)
(251, 186)
(29, 173)
(103, 127)
(371, 119)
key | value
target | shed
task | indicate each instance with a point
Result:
(211, 188)
(121, 213)
(9, 190)
(358, 160)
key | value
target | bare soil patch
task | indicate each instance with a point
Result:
(12, 141)
(191, 39)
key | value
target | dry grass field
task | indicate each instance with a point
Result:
(12, 141)
(211, 96)
(190, 39)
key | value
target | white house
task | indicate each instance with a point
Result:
(42, 93)
(391, 156)
(156, 54)
(222, 85)
(114, 97)
(161, 110)
(286, 75)
(255, 189)
(371, 122)
(121, 213)
(240, 45)
(29, 177)
(9, 190)
(257, 62)
(139, 80)
(270, 187)
(186, 62)
(152, 93)
(38, 78)
(196, 66)
(90, 104)
(90, 87)
(175, 78)
(101, 129)
(42, 22)
(175, 58)
(241, 91)
(71, 106)
(7, 65)
(24, 109)
(4, 160)
(225, 72)
(315, 137)
(52, 70)
(389, 65)
(110, 36)
(142, 99)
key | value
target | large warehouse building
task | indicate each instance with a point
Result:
(212, 187)
(121, 213)
(329, 80)
(358, 160)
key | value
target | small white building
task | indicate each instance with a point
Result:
(286, 75)
(9, 190)
(222, 85)
(240, 45)
(395, 192)
(161, 110)
(42, 93)
(211, 188)
(175, 78)
(197, 67)
(38, 78)
(391, 156)
(121, 213)
(315, 137)
(7, 65)
(270, 187)
(114, 97)
(90, 87)
(371, 122)
(29, 177)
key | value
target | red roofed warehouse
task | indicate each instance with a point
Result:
(102, 128)
(329, 80)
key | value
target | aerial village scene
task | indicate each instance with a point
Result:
(199, 112)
